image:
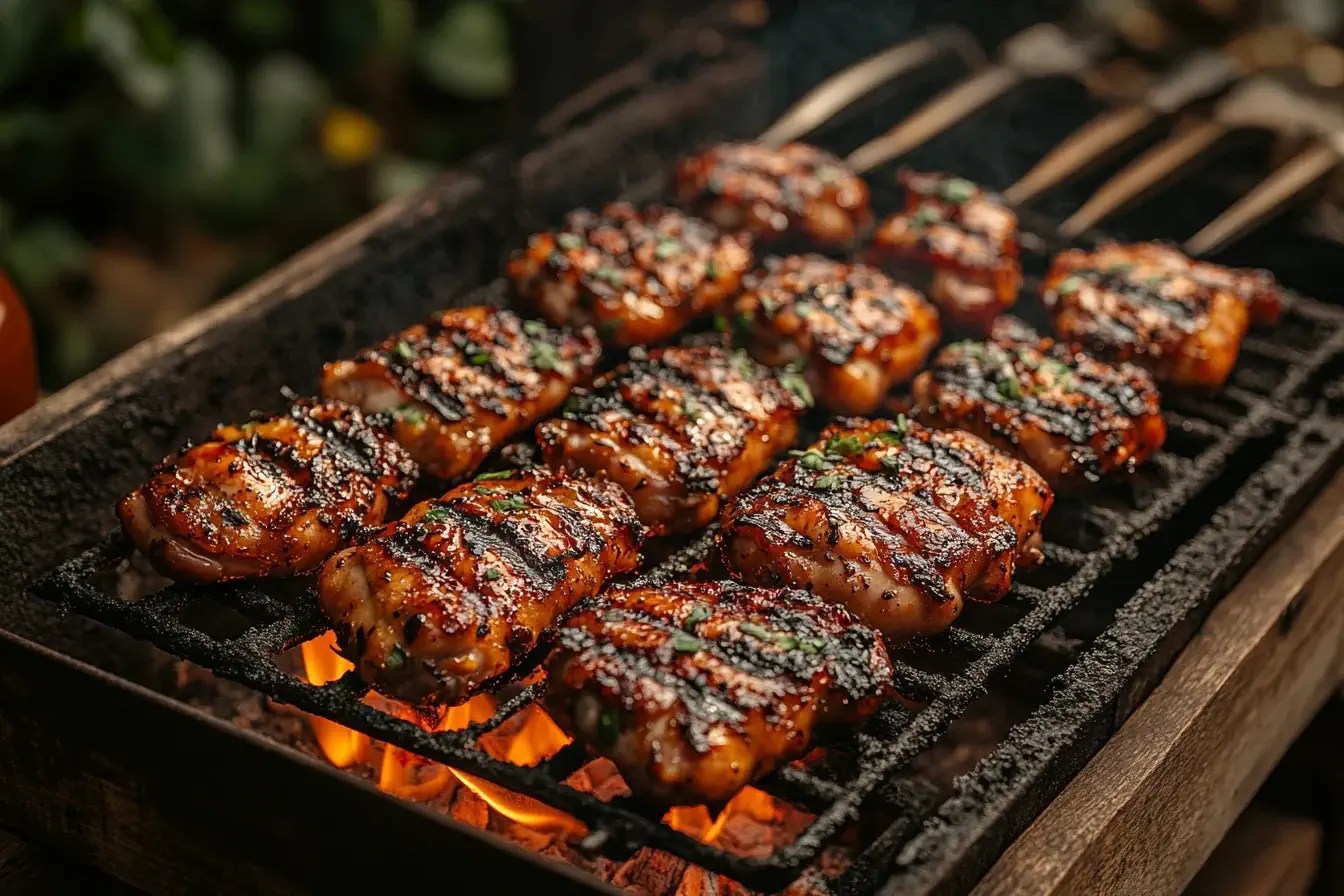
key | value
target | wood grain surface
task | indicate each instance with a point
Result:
(1265, 854)
(1149, 809)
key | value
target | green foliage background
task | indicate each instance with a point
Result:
(156, 153)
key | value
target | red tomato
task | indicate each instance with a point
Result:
(18, 366)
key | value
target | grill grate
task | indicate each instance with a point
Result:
(1269, 413)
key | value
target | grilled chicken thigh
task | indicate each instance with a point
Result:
(268, 498)
(696, 690)
(959, 240)
(1067, 414)
(1257, 289)
(1120, 303)
(898, 523)
(797, 192)
(448, 598)
(465, 382)
(679, 428)
(854, 330)
(639, 277)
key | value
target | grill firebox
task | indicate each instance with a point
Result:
(1130, 569)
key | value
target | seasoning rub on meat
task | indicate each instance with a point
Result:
(268, 498)
(450, 597)
(854, 332)
(463, 383)
(680, 429)
(1067, 414)
(638, 276)
(898, 523)
(696, 690)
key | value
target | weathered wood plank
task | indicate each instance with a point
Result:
(1150, 808)
(1265, 854)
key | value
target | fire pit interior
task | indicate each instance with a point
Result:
(997, 714)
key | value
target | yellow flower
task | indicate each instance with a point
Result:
(350, 137)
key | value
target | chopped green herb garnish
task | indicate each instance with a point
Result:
(491, 574)
(486, 490)
(804, 309)
(794, 382)
(437, 514)
(927, 214)
(534, 328)
(691, 408)
(758, 631)
(569, 241)
(501, 474)
(788, 642)
(686, 644)
(547, 357)
(711, 270)
(769, 306)
(888, 438)
(614, 276)
(396, 658)
(844, 445)
(573, 404)
(830, 480)
(405, 351)
(409, 414)
(1009, 387)
(957, 190)
(721, 323)
(608, 727)
(668, 247)
(479, 358)
(811, 645)
(813, 460)
(902, 424)
(969, 347)
(1069, 285)
(783, 639)
(504, 505)
(699, 613)
(557, 260)
(743, 364)
(1120, 267)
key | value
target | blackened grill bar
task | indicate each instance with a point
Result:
(1272, 430)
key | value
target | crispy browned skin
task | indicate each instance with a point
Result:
(960, 240)
(793, 191)
(680, 429)
(268, 498)
(1119, 303)
(696, 690)
(448, 598)
(854, 331)
(897, 523)
(465, 382)
(638, 276)
(1256, 288)
(1067, 414)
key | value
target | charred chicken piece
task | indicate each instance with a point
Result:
(449, 597)
(854, 331)
(960, 242)
(796, 191)
(696, 690)
(1067, 414)
(460, 385)
(1257, 289)
(268, 498)
(1120, 304)
(895, 522)
(638, 276)
(680, 429)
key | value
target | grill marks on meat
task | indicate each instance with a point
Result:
(463, 383)
(855, 331)
(1125, 303)
(898, 523)
(268, 498)
(639, 277)
(795, 191)
(960, 240)
(680, 429)
(696, 690)
(1257, 289)
(447, 599)
(1065, 413)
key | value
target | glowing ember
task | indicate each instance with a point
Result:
(321, 664)
(694, 821)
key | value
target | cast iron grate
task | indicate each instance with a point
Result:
(1269, 421)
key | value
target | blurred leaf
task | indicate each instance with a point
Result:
(77, 349)
(158, 40)
(203, 112)
(266, 19)
(467, 52)
(113, 36)
(394, 176)
(242, 199)
(396, 27)
(42, 253)
(350, 31)
(29, 125)
(285, 98)
(21, 25)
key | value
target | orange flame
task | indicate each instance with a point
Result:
(408, 776)
(694, 821)
(322, 664)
